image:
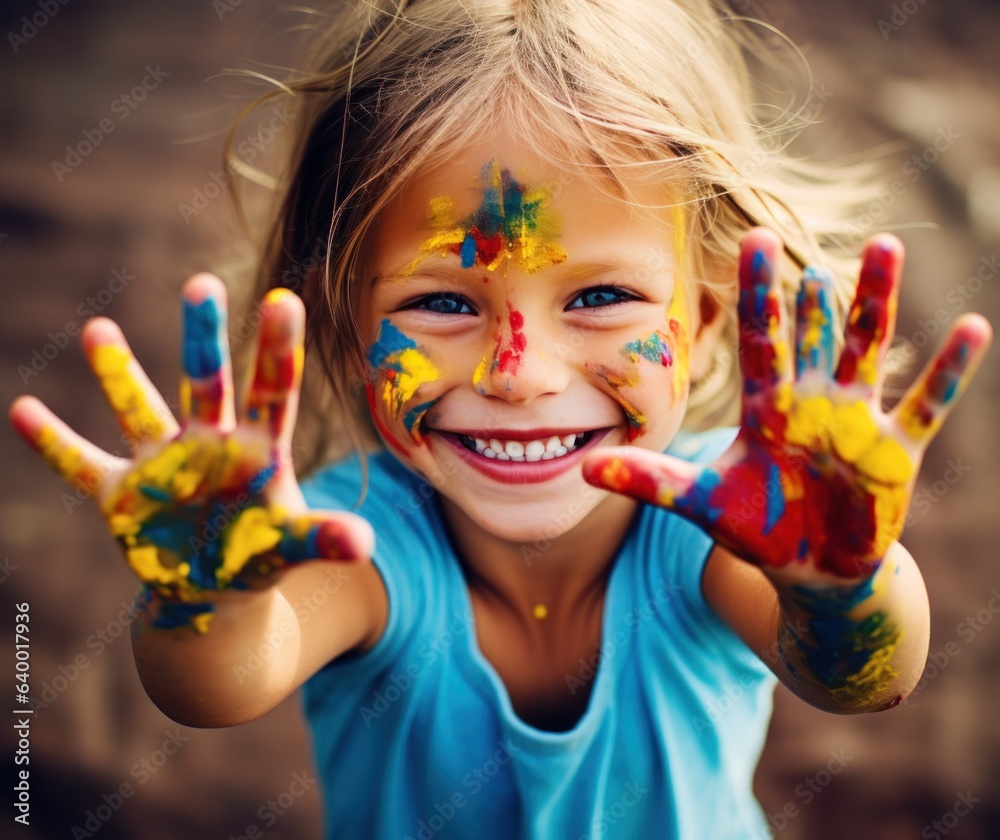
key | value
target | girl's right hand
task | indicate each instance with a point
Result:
(212, 504)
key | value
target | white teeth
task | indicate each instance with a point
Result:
(543, 449)
(515, 449)
(534, 451)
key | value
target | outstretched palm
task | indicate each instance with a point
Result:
(211, 504)
(819, 479)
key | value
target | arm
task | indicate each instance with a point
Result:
(262, 645)
(807, 503)
(830, 658)
(211, 519)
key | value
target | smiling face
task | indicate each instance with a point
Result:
(518, 318)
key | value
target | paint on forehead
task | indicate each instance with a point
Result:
(396, 359)
(513, 224)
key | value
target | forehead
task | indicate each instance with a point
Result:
(506, 183)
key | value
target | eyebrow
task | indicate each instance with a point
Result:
(638, 273)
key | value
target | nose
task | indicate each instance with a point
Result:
(523, 361)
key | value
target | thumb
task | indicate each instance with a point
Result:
(326, 535)
(651, 477)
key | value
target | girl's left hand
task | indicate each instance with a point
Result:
(818, 481)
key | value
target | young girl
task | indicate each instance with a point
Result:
(513, 229)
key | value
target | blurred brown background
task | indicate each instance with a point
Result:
(927, 75)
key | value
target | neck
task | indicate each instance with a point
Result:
(557, 573)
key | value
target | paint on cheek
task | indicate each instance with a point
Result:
(512, 224)
(398, 361)
(617, 380)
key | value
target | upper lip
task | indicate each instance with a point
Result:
(518, 434)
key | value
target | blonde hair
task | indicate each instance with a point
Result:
(658, 91)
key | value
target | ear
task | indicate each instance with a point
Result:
(710, 321)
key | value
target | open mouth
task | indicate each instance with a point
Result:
(540, 449)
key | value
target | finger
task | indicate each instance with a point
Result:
(141, 411)
(931, 398)
(764, 358)
(321, 535)
(273, 398)
(872, 319)
(207, 382)
(814, 323)
(655, 478)
(76, 459)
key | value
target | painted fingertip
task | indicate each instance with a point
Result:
(203, 345)
(203, 285)
(25, 415)
(974, 330)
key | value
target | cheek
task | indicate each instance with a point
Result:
(400, 372)
(647, 375)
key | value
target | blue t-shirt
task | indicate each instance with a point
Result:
(416, 738)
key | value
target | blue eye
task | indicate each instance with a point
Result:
(599, 296)
(443, 303)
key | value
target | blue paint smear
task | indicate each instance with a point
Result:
(699, 497)
(468, 251)
(157, 494)
(388, 342)
(203, 350)
(775, 499)
(414, 414)
(822, 281)
(260, 478)
(296, 549)
(175, 614)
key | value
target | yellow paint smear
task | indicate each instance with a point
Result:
(127, 398)
(417, 370)
(251, 533)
